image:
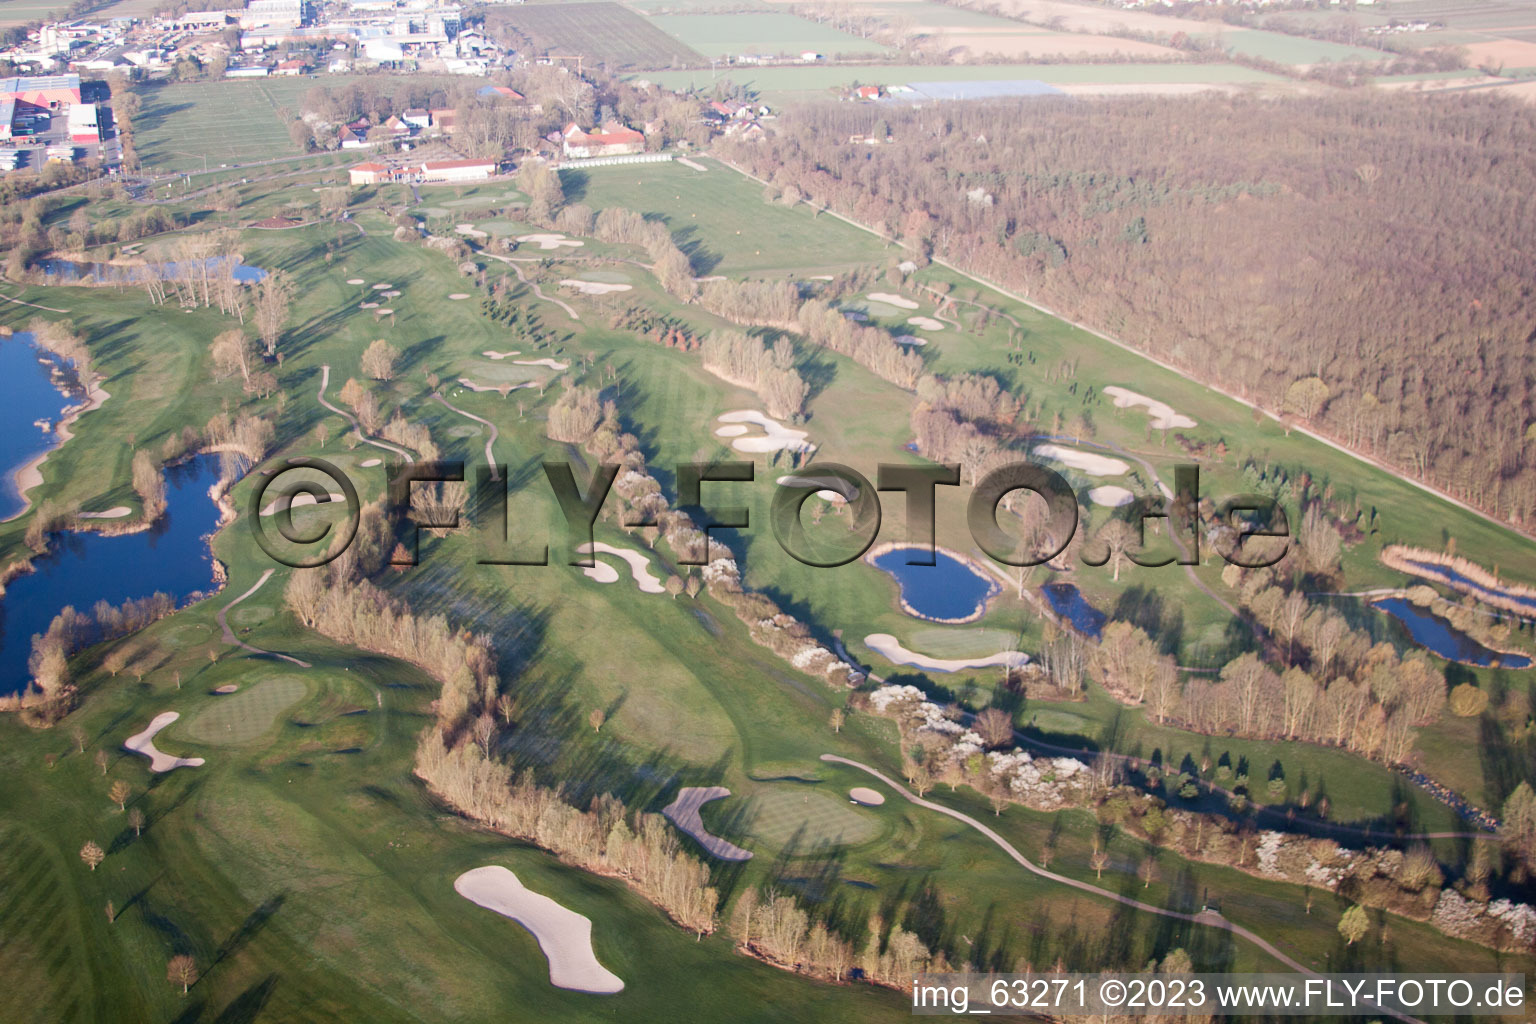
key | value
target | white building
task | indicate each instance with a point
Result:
(457, 170)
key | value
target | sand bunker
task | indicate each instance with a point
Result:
(910, 339)
(227, 688)
(602, 572)
(684, 813)
(1163, 416)
(889, 648)
(368, 305)
(553, 364)
(595, 287)
(299, 500)
(385, 312)
(639, 566)
(144, 743)
(925, 323)
(821, 277)
(501, 355)
(1111, 496)
(470, 231)
(564, 935)
(777, 436)
(890, 299)
(834, 489)
(548, 241)
(732, 430)
(382, 287)
(391, 294)
(866, 796)
(475, 386)
(115, 512)
(370, 463)
(356, 280)
(458, 296)
(1087, 462)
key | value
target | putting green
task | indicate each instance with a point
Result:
(245, 715)
(808, 818)
(250, 615)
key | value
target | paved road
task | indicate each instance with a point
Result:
(1208, 918)
(490, 456)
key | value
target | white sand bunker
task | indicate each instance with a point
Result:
(777, 436)
(392, 294)
(602, 572)
(144, 743)
(458, 296)
(548, 241)
(368, 305)
(1163, 416)
(370, 463)
(910, 339)
(553, 364)
(115, 512)
(385, 312)
(833, 488)
(299, 500)
(892, 650)
(1087, 462)
(733, 430)
(595, 287)
(501, 355)
(866, 796)
(639, 566)
(475, 386)
(227, 688)
(1111, 496)
(891, 299)
(684, 813)
(356, 280)
(470, 231)
(564, 935)
(925, 323)
(382, 287)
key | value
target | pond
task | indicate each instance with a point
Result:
(1435, 571)
(1068, 602)
(1436, 634)
(69, 270)
(36, 393)
(951, 590)
(84, 568)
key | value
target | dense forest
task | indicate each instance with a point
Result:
(1359, 263)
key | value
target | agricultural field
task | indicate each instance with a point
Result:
(1295, 50)
(189, 127)
(727, 35)
(601, 32)
(792, 85)
(20, 12)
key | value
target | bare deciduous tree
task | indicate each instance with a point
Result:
(92, 854)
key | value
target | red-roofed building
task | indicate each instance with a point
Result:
(372, 174)
(506, 92)
(457, 170)
(443, 119)
(611, 140)
(291, 67)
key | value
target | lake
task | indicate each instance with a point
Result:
(1068, 602)
(951, 590)
(68, 270)
(1436, 634)
(1434, 570)
(33, 393)
(83, 568)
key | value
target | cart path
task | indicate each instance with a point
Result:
(229, 636)
(509, 261)
(1206, 917)
(490, 456)
(325, 382)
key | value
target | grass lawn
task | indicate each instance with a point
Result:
(1287, 49)
(304, 865)
(20, 12)
(601, 32)
(726, 35)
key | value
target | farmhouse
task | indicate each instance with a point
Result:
(291, 67)
(613, 140)
(457, 170)
(375, 174)
(417, 117)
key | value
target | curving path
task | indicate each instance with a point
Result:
(229, 635)
(1205, 917)
(22, 302)
(509, 261)
(490, 456)
(325, 382)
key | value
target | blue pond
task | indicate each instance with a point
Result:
(1446, 640)
(68, 270)
(950, 590)
(31, 396)
(1068, 602)
(1460, 582)
(84, 568)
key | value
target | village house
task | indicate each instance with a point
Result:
(612, 140)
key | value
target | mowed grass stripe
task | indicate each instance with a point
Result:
(808, 818)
